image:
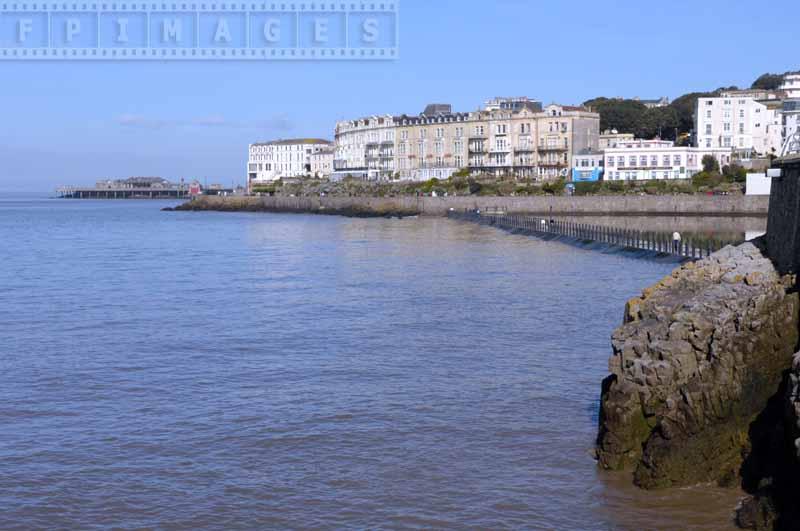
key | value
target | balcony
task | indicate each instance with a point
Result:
(545, 147)
(552, 164)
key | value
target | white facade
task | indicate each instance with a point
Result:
(758, 184)
(322, 163)
(738, 121)
(790, 118)
(643, 160)
(269, 161)
(791, 85)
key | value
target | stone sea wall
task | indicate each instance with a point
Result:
(678, 205)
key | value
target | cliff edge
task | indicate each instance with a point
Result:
(695, 363)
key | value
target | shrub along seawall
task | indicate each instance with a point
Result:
(670, 205)
(704, 377)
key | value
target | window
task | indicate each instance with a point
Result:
(708, 129)
(708, 114)
(665, 160)
(458, 146)
(439, 146)
(741, 128)
(676, 160)
(726, 115)
(620, 161)
(726, 142)
(423, 133)
(643, 160)
(459, 132)
(632, 160)
(741, 113)
(439, 132)
(708, 142)
(610, 162)
(726, 126)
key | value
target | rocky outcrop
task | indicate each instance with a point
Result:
(694, 365)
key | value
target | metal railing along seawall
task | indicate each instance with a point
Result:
(659, 243)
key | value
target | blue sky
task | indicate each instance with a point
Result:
(74, 123)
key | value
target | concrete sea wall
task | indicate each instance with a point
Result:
(678, 205)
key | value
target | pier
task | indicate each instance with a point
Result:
(659, 243)
(132, 188)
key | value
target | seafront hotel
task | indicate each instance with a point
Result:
(508, 136)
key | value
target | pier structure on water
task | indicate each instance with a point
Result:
(132, 188)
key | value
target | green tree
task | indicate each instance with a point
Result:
(710, 164)
(768, 82)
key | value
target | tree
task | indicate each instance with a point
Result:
(768, 82)
(626, 116)
(710, 164)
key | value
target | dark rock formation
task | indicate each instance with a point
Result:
(694, 365)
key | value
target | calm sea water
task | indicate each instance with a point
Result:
(253, 371)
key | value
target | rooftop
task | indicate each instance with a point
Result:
(294, 142)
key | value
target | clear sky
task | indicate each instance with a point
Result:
(75, 123)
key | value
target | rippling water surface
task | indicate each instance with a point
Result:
(250, 371)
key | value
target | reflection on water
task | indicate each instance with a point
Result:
(250, 371)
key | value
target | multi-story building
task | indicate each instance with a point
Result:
(510, 136)
(612, 138)
(270, 161)
(433, 144)
(322, 163)
(736, 120)
(791, 85)
(642, 160)
(790, 119)
(364, 148)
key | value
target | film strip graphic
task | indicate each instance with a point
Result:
(241, 31)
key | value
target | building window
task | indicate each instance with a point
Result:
(708, 129)
(610, 163)
(620, 161)
(676, 160)
(654, 160)
(632, 161)
(643, 160)
(665, 159)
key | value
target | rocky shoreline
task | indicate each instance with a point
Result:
(705, 375)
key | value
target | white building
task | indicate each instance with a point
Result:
(322, 163)
(269, 161)
(643, 160)
(791, 85)
(736, 120)
(790, 118)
